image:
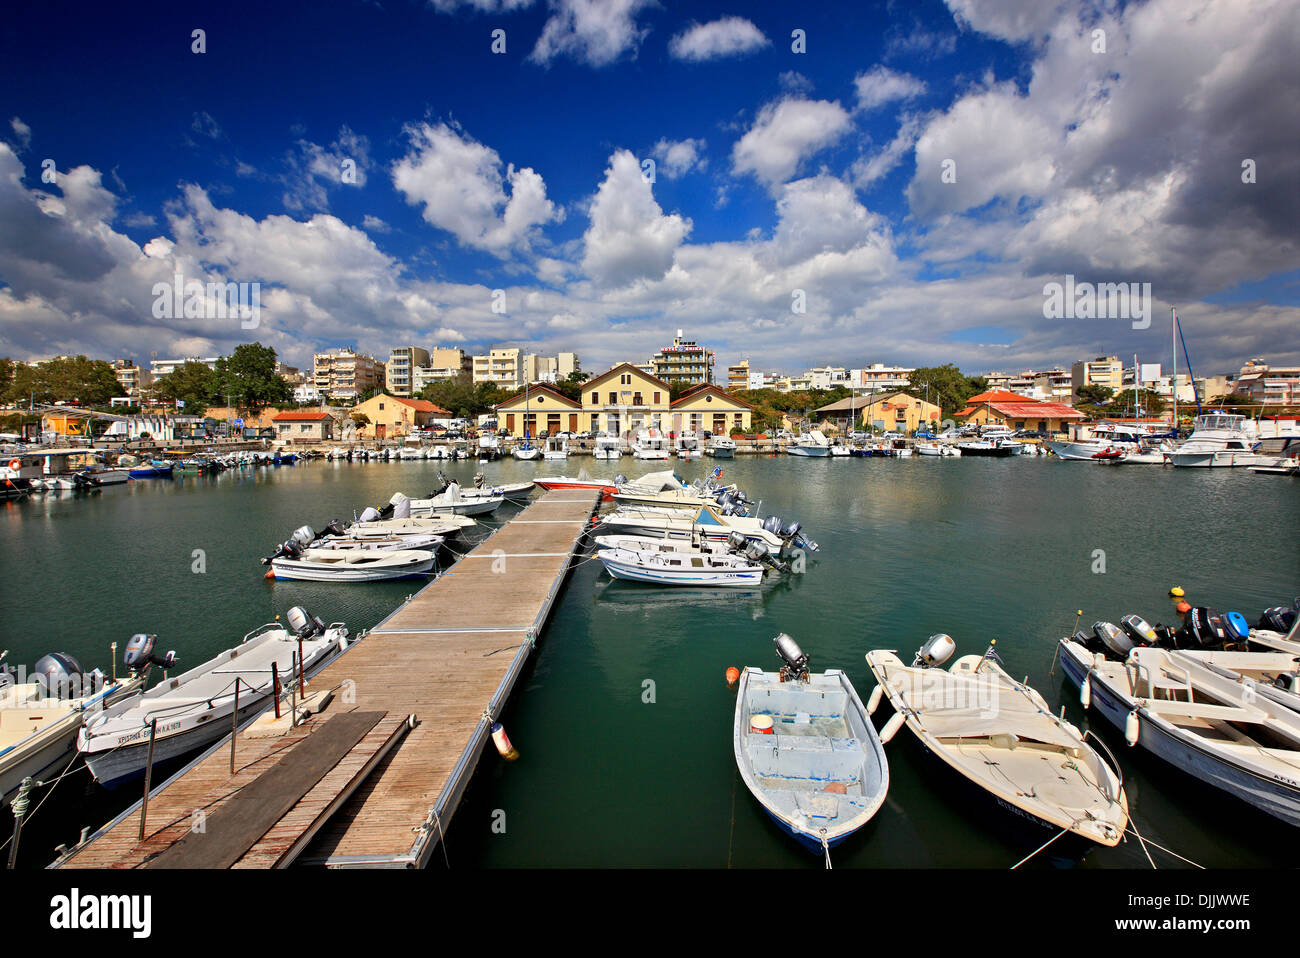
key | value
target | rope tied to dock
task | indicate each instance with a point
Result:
(1063, 831)
(826, 850)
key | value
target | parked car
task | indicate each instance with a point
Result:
(858, 435)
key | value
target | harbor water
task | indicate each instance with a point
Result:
(623, 721)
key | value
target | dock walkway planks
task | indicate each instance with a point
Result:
(450, 656)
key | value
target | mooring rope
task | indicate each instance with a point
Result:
(1039, 848)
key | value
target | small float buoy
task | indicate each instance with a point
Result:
(1177, 592)
(891, 727)
(761, 724)
(269, 575)
(1131, 728)
(1183, 608)
(1085, 692)
(733, 676)
(502, 742)
(873, 702)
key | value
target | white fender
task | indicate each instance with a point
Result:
(891, 727)
(873, 703)
(1085, 691)
(1131, 728)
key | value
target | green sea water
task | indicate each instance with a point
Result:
(623, 719)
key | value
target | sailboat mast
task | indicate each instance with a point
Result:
(1173, 382)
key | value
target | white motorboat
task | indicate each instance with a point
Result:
(807, 751)
(197, 708)
(650, 444)
(839, 449)
(526, 452)
(607, 447)
(423, 542)
(488, 447)
(556, 448)
(451, 501)
(1105, 436)
(514, 491)
(1280, 456)
(444, 524)
(1214, 728)
(687, 446)
(351, 565)
(721, 447)
(607, 487)
(813, 444)
(1272, 675)
(1001, 736)
(1219, 440)
(40, 716)
(996, 448)
(666, 567)
(668, 490)
(708, 522)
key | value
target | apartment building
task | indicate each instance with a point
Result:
(131, 377)
(344, 375)
(738, 375)
(1270, 385)
(684, 361)
(879, 378)
(399, 371)
(165, 367)
(827, 377)
(1049, 385)
(1105, 371)
(511, 367)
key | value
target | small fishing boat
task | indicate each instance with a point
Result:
(197, 708)
(97, 476)
(607, 487)
(687, 446)
(1216, 729)
(807, 751)
(40, 717)
(350, 565)
(157, 469)
(514, 491)
(607, 447)
(813, 444)
(995, 448)
(1001, 736)
(556, 448)
(650, 444)
(710, 523)
(450, 500)
(708, 569)
(721, 447)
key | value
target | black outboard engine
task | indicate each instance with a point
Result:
(1277, 619)
(772, 524)
(1203, 628)
(334, 527)
(795, 661)
(1138, 629)
(139, 654)
(1113, 640)
(303, 624)
(62, 677)
(792, 534)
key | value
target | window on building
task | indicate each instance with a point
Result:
(656, 397)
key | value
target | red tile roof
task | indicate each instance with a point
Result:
(423, 405)
(998, 395)
(1036, 410)
(534, 390)
(710, 387)
(301, 415)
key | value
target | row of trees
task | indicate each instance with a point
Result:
(90, 382)
(246, 378)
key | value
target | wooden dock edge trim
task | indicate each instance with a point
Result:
(293, 851)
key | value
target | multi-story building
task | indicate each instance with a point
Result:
(442, 363)
(879, 378)
(1105, 371)
(1049, 385)
(683, 362)
(399, 371)
(503, 367)
(827, 377)
(1270, 385)
(165, 367)
(345, 375)
(738, 375)
(131, 377)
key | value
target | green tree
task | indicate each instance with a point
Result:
(946, 386)
(192, 383)
(249, 378)
(571, 385)
(90, 382)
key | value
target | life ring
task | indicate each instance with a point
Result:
(15, 464)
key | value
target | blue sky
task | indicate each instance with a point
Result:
(776, 171)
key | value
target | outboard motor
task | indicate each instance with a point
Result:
(139, 654)
(1112, 639)
(620, 479)
(302, 624)
(1138, 629)
(1089, 641)
(369, 514)
(303, 535)
(754, 552)
(1287, 681)
(736, 541)
(772, 524)
(937, 650)
(1203, 628)
(291, 549)
(796, 662)
(479, 479)
(62, 677)
(1236, 627)
(401, 506)
(1277, 619)
(334, 527)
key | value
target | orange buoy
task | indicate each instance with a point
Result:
(1182, 607)
(733, 676)
(270, 575)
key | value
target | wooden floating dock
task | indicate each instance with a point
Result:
(418, 696)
